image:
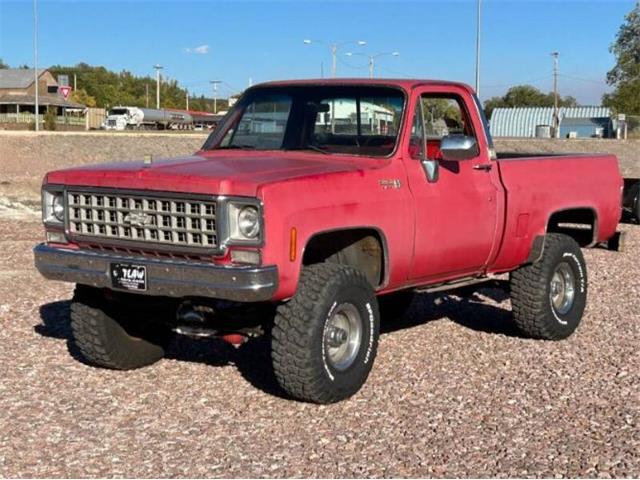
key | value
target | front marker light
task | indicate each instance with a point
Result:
(249, 222)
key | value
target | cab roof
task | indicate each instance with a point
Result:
(403, 83)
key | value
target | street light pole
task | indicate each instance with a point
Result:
(215, 94)
(334, 58)
(478, 26)
(556, 117)
(333, 47)
(372, 59)
(35, 62)
(158, 67)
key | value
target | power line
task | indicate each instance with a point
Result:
(600, 82)
(354, 67)
(519, 82)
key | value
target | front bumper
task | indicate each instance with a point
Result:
(164, 277)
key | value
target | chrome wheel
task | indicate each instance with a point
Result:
(562, 289)
(343, 336)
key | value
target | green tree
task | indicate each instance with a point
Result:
(527, 96)
(625, 76)
(81, 96)
(108, 89)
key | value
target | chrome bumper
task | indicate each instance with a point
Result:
(164, 277)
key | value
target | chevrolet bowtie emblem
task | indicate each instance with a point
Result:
(137, 219)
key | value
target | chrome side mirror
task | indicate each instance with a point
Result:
(431, 169)
(458, 147)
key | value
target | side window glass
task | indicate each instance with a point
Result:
(444, 116)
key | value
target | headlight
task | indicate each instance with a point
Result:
(245, 223)
(52, 207)
(249, 222)
(58, 208)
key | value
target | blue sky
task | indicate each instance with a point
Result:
(263, 40)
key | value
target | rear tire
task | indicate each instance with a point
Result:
(549, 296)
(325, 338)
(110, 337)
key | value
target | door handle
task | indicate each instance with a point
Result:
(483, 166)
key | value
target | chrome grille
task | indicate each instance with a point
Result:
(142, 218)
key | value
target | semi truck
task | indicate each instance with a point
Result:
(136, 118)
(309, 235)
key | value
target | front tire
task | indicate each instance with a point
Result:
(109, 336)
(549, 297)
(325, 338)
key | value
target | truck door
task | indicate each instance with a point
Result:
(456, 214)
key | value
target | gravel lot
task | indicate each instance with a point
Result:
(454, 391)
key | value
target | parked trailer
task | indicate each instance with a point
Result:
(127, 118)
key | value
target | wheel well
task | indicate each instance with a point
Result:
(579, 223)
(361, 248)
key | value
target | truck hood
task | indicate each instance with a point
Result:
(212, 172)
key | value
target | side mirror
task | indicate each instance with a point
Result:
(458, 147)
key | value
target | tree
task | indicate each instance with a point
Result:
(527, 96)
(625, 76)
(105, 88)
(81, 96)
(3, 65)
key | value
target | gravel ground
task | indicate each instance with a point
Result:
(454, 392)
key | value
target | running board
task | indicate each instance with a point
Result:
(461, 282)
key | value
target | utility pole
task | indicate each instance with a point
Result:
(215, 94)
(146, 85)
(75, 82)
(556, 116)
(371, 65)
(158, 67)
(478, 48)
(333, 47)
(35, 62)
(187, 98)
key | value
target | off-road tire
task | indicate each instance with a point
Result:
(394, 306)
(299, 359)
(109, 336)
(533, 310)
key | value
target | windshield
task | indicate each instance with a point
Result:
(326, 119)
(118, 111)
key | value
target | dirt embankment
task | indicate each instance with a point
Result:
(627, 151)
(25, 156)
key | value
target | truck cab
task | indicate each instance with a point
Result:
(322, 205)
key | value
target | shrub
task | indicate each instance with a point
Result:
(50, 119)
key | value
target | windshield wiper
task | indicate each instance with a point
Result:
(311, 147)
(237, 147)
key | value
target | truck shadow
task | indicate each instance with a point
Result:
(477, 310)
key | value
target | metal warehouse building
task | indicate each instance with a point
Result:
(575, 122)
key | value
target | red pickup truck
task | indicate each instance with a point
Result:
(328, 202)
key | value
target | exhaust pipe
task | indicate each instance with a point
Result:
(199, 321)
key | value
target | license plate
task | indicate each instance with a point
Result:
(128, 276)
